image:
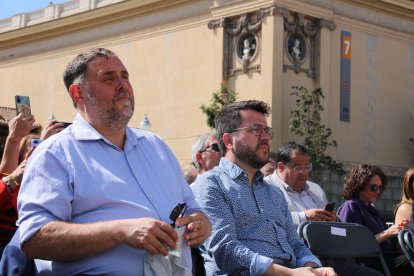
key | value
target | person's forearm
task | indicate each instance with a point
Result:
(62, 241)
(382, 236)
(276, 269)
(10, 158)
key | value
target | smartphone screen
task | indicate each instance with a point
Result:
(330, 206)
(22, 103)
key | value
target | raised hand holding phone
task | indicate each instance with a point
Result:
(22, 105)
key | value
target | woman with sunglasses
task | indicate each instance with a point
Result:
(363, 185)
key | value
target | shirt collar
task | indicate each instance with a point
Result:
(84, 131)
(287, 187)
(235, 171)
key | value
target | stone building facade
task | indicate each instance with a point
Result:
(360, 52)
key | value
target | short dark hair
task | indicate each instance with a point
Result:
(76, 69)
(284, 152)
(228, 119)
(359, 177)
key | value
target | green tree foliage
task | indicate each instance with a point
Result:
(220, 99)
(306, 122)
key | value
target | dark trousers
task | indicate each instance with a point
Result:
(345, 267)
(198, 262)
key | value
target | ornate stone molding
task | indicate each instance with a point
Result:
(273, 10)
(241, 43)
(242, 40)
(216, 23)
(302, 41)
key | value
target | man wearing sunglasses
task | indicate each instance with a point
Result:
(206, 155)
(251, 235)
(205, 152)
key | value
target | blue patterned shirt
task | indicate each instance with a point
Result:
(252, 225)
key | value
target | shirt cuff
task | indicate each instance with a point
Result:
(302, 217)
(308, 259)
(260, 264)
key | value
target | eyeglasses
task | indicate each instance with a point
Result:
(213, 147)
(177, 212)
(257, 130)
(375, 188)
(302, 169)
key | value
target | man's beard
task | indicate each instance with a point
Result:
(110, 117)
(249, 156)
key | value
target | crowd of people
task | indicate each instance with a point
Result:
(92, 199)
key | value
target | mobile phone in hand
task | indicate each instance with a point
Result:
(330, 206)
(65, 124)
(22, 104)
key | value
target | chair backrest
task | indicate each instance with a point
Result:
(406, 244)
(341, 240)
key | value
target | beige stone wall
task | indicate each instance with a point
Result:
(176, 62)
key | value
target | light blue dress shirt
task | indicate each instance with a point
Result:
(79, 176)
(252, 226)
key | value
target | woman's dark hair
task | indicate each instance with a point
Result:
(359, 178)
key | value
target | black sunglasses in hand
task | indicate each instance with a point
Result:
(177, 212)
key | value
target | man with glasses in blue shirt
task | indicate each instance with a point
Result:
(251, 235)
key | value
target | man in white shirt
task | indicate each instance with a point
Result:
(306, 200)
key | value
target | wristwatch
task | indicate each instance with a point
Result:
(6, 181)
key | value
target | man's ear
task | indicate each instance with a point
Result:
(199, 158)
(76, 94)
(280, 166)
(227, 140)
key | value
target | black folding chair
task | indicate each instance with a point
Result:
(406, 244)
(338, 240)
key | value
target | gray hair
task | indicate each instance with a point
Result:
(200, 145)
(76, 69)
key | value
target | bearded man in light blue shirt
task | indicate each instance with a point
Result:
(253, 232)
(96, 198)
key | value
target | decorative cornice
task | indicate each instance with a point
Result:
(272, 11)
(396, 15)
(244, 25)
(122, 21)
(400, 8)
(216, 23)
(328, 24)
(307, 27)
(94, 18)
